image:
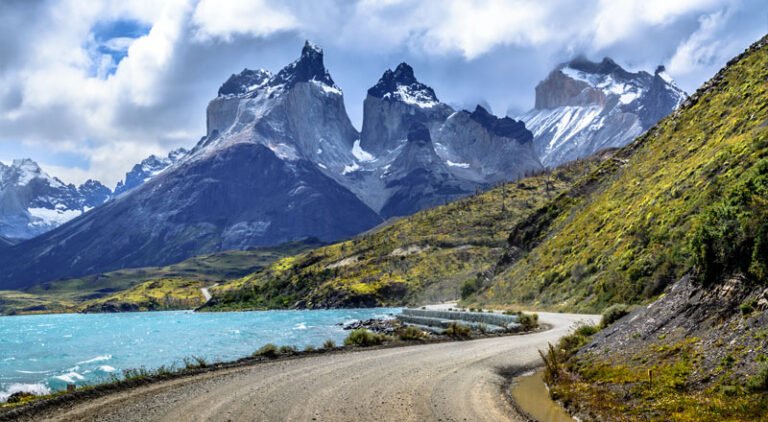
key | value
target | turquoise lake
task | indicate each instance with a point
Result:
(43, 353)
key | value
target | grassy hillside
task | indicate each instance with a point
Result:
(688, 207)
(171, 287)
(628, 230)
(430, 256)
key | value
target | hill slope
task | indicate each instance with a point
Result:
(623, 234)
(424, 257)
(684, 213)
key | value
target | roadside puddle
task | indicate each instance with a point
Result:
(530, 393)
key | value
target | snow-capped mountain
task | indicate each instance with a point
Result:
(392, 105)
(33, 202)
(472, 150)
(584, 106)
(259, 177)
(281, 161)
(147, 169)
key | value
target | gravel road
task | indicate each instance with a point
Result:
(456, 381)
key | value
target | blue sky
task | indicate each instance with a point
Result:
(88, 88)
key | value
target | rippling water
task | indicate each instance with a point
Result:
(43, 353)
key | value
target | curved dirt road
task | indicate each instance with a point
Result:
(455, 381)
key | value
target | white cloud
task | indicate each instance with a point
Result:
(703, 48)
(617, 20)
(222, 19)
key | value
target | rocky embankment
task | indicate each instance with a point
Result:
(697, 352)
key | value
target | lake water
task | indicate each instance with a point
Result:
(43, 353)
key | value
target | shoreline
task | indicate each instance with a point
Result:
(62, 399)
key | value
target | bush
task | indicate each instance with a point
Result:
(468, 288)
(269, 351)
(529, 321)
(329, 344)
(309, 349)
(613, 313)
(586, 330)
(364, 338)
(288, 350)
(759, 381)
(731, 236)
(195, 362)
(458, 331)
(746, 308)
(411, 333)
(570, 343)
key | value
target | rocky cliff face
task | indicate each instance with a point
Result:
(32, 202)
(485, 149)
(418, 178)
(583, 107)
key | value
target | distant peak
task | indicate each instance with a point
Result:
(311, 49)
(401, 84)
(605, 67)
(403, 74)
(26, 163)
(309, 67)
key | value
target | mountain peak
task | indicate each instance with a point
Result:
(403, 74)
(27, 164)
(311, 49)
(605, 67)
(309, 67)
(402, 85)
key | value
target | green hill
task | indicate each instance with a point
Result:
(679, 219)
(430, 256)
(681, 195)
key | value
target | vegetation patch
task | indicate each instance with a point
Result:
(362, 337)
(421, 258)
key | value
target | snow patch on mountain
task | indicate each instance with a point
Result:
(361, 154)
(461, 165)
(44, 217)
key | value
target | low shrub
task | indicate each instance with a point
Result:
(613, 313)
(458, 331)
(195, 362)
(364, 338)
(759, 381)
(529, 321)
(747, 308)
(411, 333)
(288, 350)
(309, 349)
(468, 288)
(269, 351)
(586, 330)
(329, 344)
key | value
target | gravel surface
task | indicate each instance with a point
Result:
(456, 381)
